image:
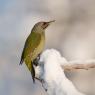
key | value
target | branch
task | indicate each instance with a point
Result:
(52, 75)
(74, 65)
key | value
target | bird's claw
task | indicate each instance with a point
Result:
(36, 61)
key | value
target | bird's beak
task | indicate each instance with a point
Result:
(47, 24)
(51, 21)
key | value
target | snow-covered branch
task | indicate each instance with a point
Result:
(52, 74)
(74, 65)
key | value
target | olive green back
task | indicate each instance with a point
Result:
(31, 43)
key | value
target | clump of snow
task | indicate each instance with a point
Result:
(50, 71)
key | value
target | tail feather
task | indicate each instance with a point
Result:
(21, 61)
(29, 64)
(33, 73)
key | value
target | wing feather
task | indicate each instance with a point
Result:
(31, 43)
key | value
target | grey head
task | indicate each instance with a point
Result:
(42, 25)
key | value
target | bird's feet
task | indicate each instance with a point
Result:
(36, 61)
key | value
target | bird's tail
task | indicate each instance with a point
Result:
(29, 64)
(21, 61)
(33, 73)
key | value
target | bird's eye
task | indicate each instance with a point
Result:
(44, 23)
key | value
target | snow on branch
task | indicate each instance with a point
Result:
(52, 74)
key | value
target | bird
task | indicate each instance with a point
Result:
(34, 46)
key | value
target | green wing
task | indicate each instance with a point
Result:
(31, 43)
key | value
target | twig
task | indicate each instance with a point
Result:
(42, 82)
(70, 67)
(38, 79)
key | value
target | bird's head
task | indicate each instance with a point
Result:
(43, 25)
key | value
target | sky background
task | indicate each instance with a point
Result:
(73, 34)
